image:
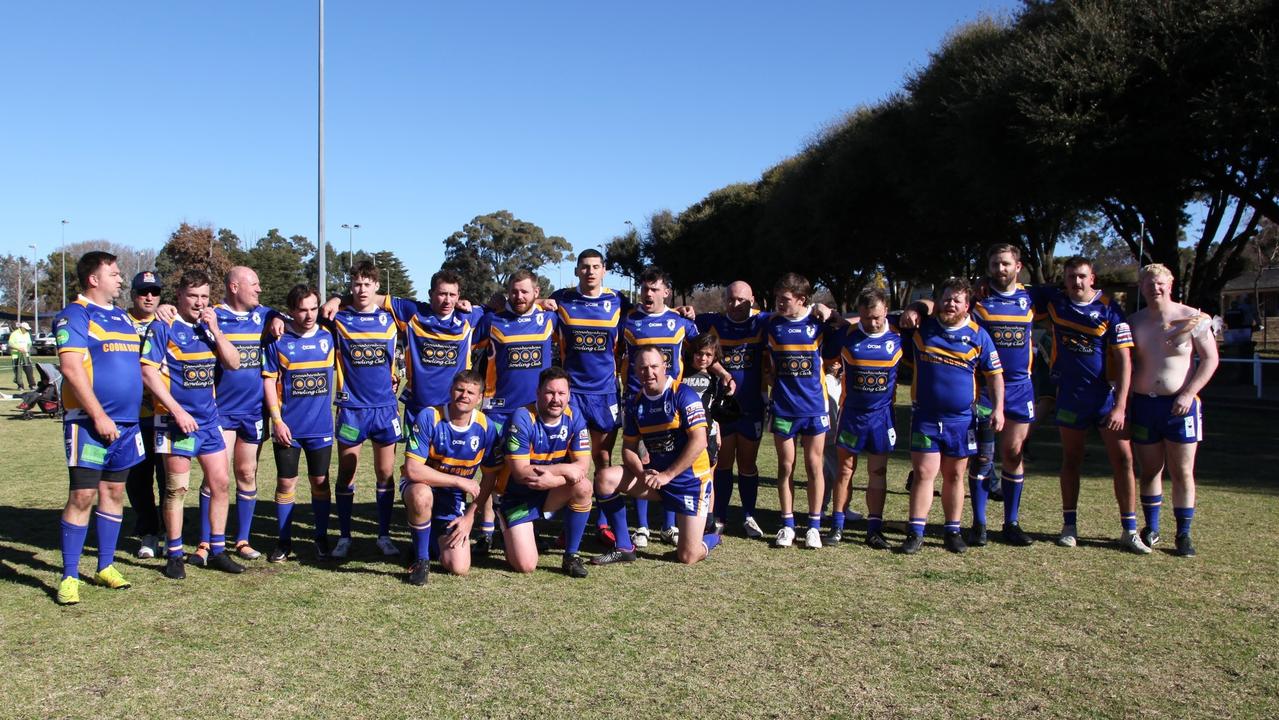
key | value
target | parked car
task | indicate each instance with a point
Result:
(44, 344)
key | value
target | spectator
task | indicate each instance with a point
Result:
(20, 350)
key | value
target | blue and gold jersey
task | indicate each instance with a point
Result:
(588, 335)
(516, 349)
(106, 338)
(184, 354)
(240, 391)
(663, 423)
(795, 350)
(666, 330)
(946, 362)
(870, 367)
(435, 349)
(446, 447)
(528, 438)
(147, 409)
(1083, 335)
(1009, 318)
(303, 368)
(366, 358)
(743, 345)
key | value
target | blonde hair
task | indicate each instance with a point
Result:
(1156, 270)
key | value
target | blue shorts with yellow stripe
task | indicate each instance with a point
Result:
(379, 424)
(871, 432)
(170, 440)
(520, 505)
(1150, 420)
(951, 436)
(85, 449)
(686, 496)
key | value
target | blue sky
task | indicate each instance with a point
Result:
(129, 118)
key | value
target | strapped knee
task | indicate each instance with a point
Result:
(176, 486)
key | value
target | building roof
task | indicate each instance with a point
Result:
(1269, 280)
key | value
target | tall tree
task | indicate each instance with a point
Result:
(193, 247)
(280, 263)
(395, 277)
(490, 248)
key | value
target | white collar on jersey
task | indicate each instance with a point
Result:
(808, 310)
(532, 309)
(1096, 294)
(309, 333)
(90, 302)
(468, 424)
(667, 386)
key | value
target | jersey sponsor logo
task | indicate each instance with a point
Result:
(438, 354)
(198, 376)
(1010, 336)
(1076, 343)
(869, 380)
(63, 336)
(307, 384)
(738, 358)
(348, 432)
(250, 356)
(523, 356)
(95, 454)
(365, 354)
(795, 364)
(590, 340)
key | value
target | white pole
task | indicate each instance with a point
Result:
(35, 294)
(64, 261)
(324, 292)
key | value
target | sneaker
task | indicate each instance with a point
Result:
(876, 541)
(246, 551)
(222, 561)
(342, 548)
(639, 538)
(322, 551)
(419, 573)
(1150, 537)
(175, 567)
(574, 566)
(812, 539)
(1131, 542)
(1068, 537)
(785, 537)
(69, 591)
(1014, 535)
(614, 556)
(976, 535)
(1185, 548)
(200, 557)
(954, 542)
(146, 550)
(836, 536)
(752, 528)
(605, 535)
(280, 553)
(911, 544)
(670, 535)
(387, 547)
(109, 577)
(482, 547)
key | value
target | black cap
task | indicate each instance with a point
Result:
(147, 279)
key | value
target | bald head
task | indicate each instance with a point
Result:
(242, 288)
(739, 300)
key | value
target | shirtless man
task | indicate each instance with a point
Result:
(1165, 415)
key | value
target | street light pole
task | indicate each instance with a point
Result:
(35, 294)
(320, 248)
(64, 261)
(350, 246)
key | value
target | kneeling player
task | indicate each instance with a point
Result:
(671, 421)
(548, 459)
(447, 444)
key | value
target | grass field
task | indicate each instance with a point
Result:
(754, 632)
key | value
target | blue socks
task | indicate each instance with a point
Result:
(748, 486)
(217, 544)
(952, 526)
(1150, 507)
(321, 507)
(614, 508)
(575, 528)
(1128, 521)
(421, 540)
(917, 525)
(1011, 484)
(385, 493)
(788, 520)
(668, 520)
(173, 547)
(72, 545)
(641, 514)
(284, 518)
(814, 522)
(977, 488)
(837, 520)
(1069, 517)
(108, 535)
(487, 528)
(346, 503)
(1184, 517)
(710, 541)
(723, 492)
(874, 524)
(205, 528)
(246, 503)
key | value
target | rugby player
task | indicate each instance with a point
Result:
(447, 446)
(297, 380)
(947, 351)
(178, 367)
(671, 421)
(367, 409)
(547, 455)
(740, 331)
(870, 353)
(147, 477)
(1091, 344)
(98, 351)
(1165, 415)
(799, 402)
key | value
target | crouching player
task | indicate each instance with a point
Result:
(548, 462)
(671, 421)
(446, 447)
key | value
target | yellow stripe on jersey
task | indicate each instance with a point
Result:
(242, 337)
(178, 354)
(1057, 319)
(532, 337)
(97, 332)
(586, 322)
(849, 360)
(388, 332)
(1027, 316)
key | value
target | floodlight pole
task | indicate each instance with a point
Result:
(64, 261)
(324, 292)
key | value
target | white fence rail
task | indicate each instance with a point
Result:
(1256, 361)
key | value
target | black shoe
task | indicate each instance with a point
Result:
(322, 551)
(614, 556)
(976, 535)
(1014, 535)
(911, 544)
(836, 536)
(574, 566)
(280, 553)
(419, 572)
(482, 547)
(175, 568)
(1185, 548)
(195, 559)
(1150, 537)
(876, 541)
(954, 542)
(222, 561)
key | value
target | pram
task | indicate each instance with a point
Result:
(47, 396)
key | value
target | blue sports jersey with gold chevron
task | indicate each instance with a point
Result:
(663, 423)
(870, 367)
(110, 346)
(516, 348)
(588, 336)
(435, 349)
(743, 345)
(528, 438)
(1009, 319)
(666, 330)
(946, 362)
(184, 354)
(451, 449)
(240, 391)
(366, 358)
(795, 350)
(1083, 335)
(303, 368)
